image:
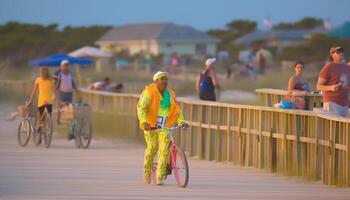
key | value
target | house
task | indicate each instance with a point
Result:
(278, 38)
(158, 38)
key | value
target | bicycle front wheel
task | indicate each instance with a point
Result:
(84, 133)
(23, 132)
(180, 167)
(47, 130)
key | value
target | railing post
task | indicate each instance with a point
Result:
(229, 137)
(347, 165)
(331, 156)
(273, 156)
(200, 147)
(189, 135)
(248, 146)
(318, 150)
(297, 146)
(240, 139)
(260, 144)
(284, 144)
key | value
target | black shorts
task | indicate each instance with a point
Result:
(207, 96)
(48, 109)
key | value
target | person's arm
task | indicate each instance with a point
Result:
(212, 74)
(35, 87)
(142, 105)
(291, 84)
(74, 85)
(322, 81)
(55, 75)
(181, 120)
(197, 82)
(321, 85)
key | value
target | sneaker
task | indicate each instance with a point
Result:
(147, 178)
(70, 136)
(159, 181)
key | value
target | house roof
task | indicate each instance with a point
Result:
(88, 51)
(155, 31)
(276, 34)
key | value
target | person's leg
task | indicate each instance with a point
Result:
(336, 109)
(163, 153)
(49, 108)
(150, 151)
(60, 105)
(342, 110)
(41, 118)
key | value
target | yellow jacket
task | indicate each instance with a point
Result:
(148, 107)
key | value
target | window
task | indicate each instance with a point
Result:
(201, 49)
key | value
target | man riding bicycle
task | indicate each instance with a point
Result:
(157, 108)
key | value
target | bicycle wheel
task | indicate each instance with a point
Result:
(47, 130)
(73, 129)
(180, 167)
(23, 132)
(84, 133)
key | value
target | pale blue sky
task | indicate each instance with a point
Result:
(201, 14)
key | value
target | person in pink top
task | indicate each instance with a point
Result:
(334, 82)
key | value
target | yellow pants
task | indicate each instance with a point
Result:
(156, 140)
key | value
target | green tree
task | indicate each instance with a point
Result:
(241, 26)
(305, 23)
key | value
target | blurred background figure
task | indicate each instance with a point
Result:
(207, 81)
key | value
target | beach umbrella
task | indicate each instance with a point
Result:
(56, 59)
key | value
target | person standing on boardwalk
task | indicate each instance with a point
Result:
(334, 82)
(44, 84)
(64, 84)
(207, 82)
(157, 108)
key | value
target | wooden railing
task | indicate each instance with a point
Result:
(18, 86)
(291, 142)
(269, 97)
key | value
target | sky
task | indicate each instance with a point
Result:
(201, 14)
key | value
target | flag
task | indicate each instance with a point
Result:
(327, 25)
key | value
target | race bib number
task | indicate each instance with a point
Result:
(160, 121)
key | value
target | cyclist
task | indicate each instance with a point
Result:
(157, 107)
(45, 85)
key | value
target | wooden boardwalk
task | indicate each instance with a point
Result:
(113, 170)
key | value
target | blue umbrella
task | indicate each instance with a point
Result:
(56, 59)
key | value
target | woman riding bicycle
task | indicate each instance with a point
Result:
(45, 85)
(157, 107)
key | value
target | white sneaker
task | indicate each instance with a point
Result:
(159, 182)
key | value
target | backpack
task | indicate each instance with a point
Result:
(57, 77)
(205, 84)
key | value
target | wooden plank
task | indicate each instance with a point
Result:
(347, 167)
(261, 143)
(297, 147)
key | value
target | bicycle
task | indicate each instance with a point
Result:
(27, 127)
(77, 114)
(177, 161)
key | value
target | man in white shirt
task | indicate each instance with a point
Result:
(65, 85)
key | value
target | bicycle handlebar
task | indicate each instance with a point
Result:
(167, 128)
